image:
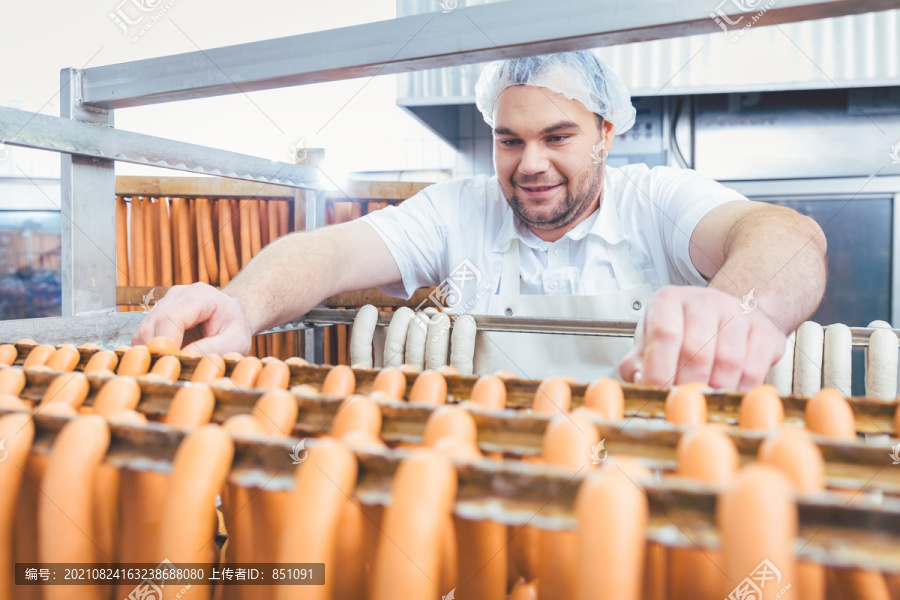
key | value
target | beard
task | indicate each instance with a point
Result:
(578, 197)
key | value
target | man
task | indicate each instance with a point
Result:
(718, 280)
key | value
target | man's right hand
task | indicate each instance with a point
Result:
(199, 315)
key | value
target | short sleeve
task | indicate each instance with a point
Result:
(415, 232)
(684, 197)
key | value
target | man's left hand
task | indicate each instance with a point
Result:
(693, 334)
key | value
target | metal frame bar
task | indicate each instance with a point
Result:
(427, 41)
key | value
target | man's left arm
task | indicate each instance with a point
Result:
(767, 270)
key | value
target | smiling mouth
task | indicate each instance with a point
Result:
(540, 188)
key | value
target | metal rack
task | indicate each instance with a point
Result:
(89, 144)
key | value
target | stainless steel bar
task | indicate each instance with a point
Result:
(43, 132)
(427, 41)
(88, 267)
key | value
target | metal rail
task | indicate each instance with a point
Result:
(461, 36)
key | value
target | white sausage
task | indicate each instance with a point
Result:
(361, 336)
(782, 372)
(836, 368)
(396, 337)
(438, 342)
(881, 365)
(415, 340)
(462, 344)
(808, 359)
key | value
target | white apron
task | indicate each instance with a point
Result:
(541, 355)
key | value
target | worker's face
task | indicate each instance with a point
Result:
(544, 149)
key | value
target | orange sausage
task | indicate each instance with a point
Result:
(102, 359)
(184, 270)
(276, 375)
(224, 276)
(706, 454)
(489, 392)
(192, 406)
(135, 361)
(17, 433)
(151, 241)
(430, 387)
(322, 485)
(211, 366)
(276, 413)
(553, 395)
(829, 413)
(284, 218)
(686, 405)
(246, 372)
(206, 240)
(757, 520)
(64, 358)
(71, 388)
(65, 508)
(226, 238)
(246, 249)
(8, 354)
(295, 361)
(340, 381)
(761, 408)
(117, 394)
(202, 271)
(357, 413)
(163, 345)
(423, 492)
(12, 381)
(612, 515)
(38, 356)
(122, 242)
(167, 367)
(274, 232)
(201, 465)
(605, 397)
(255, 233)
(390, 382)
(10, 402)
(233, 356)
(26, 342)
(138, 270)
(451, 421)
(89, 347)
(568, 441)
(165, 242)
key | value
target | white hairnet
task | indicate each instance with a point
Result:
(577, 75)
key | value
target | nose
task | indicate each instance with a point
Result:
(534, 160)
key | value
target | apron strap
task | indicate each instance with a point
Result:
(509, 275)
(626, 273)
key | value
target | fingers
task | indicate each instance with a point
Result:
(731, 353)
(186, 311)
(765, 345)
(698, 348)
(664, 330)
(632, 363)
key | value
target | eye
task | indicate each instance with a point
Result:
(508, 143)
(557, 138)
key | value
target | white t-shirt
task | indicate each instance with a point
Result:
(456, 232)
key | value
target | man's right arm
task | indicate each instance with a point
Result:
(283, 282)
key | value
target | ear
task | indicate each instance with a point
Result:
(609, 134)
